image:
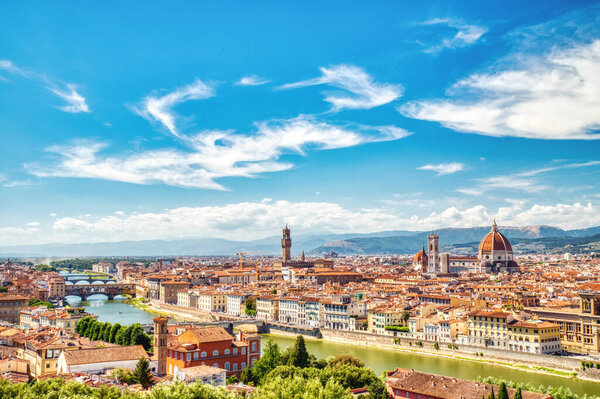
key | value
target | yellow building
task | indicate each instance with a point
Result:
(10, 307)
(56, 288)
(487, 328)
(534, 336)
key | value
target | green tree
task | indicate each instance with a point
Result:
(298, 355)
(492, 396)
(106, 332)
(270, 359)
(345, 359)
(503, 392)
(436, 346)
(250, 309)
(248, 377)
(518, 394)
(142, 373)
(113, 333)
(298, 387)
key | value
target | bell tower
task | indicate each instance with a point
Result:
(434, 253)
(160, 344)
(286, 245)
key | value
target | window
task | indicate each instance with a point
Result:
(203, 354)
(196, 355)
(189, 357)
(235, 366)
(227, 351)
(216, 365)
(227, 367)
(235, 351)
(243, 351)
(253, 346)
(243, 365)
(215, 353)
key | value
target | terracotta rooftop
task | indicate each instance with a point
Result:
(447, 387)
(110, 354)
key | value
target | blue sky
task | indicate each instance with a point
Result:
(209, 119)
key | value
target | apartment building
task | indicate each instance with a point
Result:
(487, 328)
(267, 308)
(236, 303)
(534, 336)
(11, 306)
(212, 346)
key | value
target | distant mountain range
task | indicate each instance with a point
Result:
(458, 240)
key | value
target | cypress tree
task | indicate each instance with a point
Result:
(518, 394)
(492, 396)
(142, 373)
(298, 355)
(113, 333)
(503, 392)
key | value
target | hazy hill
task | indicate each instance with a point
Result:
(462, 240)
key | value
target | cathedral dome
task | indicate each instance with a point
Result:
(421, 257)
(494, 241)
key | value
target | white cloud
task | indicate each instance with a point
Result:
(8, 66)
(212, 154)
(252, 80)
(52, 214)
(443, 168)
(33, 224)
(556, 96)
(119, 213)
(465, 35)
(76, 102)
(523, 181)
(254, 220)
(358, 89)
(160, 109)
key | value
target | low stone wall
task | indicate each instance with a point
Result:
(364, 338)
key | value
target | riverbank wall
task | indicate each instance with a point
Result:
(566, 364)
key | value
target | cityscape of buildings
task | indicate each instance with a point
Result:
(535, 308)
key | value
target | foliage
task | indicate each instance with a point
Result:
(39, 302)
(556, 392)
(502, 391)
(115, 334)
(45, 268)
(436, 346)
(518, 394)
(124, 376)
(232, 380)
(142, 373)
(344, 360)
(397, 328)
(250, 309)
(298, 356)
(270, 359)
(3, 289)
(298, 387)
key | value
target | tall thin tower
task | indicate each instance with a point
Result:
(434, 253)
(286, 245)
(160, 344)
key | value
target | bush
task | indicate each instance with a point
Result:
(397, 328)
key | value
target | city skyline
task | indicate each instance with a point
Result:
(205, 122)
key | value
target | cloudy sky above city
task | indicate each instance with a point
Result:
(142, 120)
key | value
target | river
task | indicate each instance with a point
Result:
(117, 311)
(385, 359)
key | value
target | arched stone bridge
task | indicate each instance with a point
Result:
(110, 290)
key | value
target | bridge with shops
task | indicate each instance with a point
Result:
(110, 290)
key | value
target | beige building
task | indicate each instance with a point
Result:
(11, 306)
(169, 290)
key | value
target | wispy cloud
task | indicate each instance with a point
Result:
(547, 93)
(358, 89)
(465, 34)
(523, 181)
(252, 80)
(76, 102)
(213, 154)
(443, 168)
(160, 109)
(67, 91)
